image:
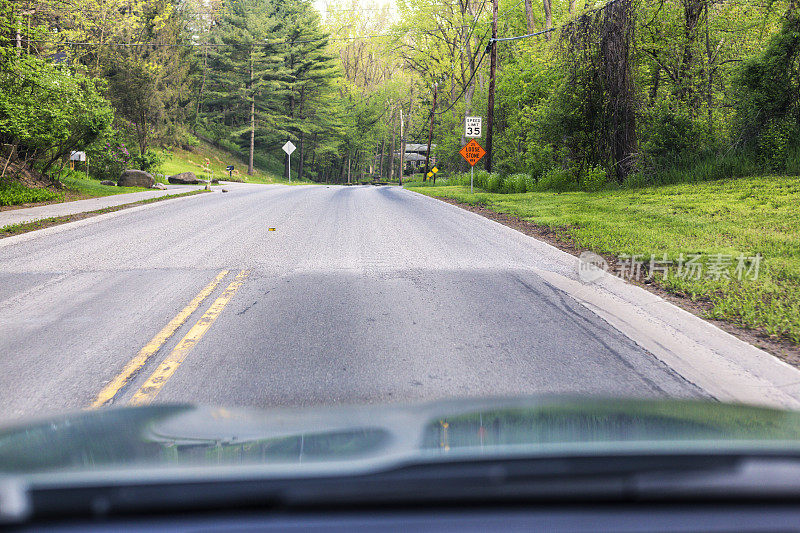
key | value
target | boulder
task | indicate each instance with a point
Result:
(107, 182)
(161, 186)
(184, 178)
(135, 178)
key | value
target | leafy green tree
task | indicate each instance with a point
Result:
(46, 111)
(768, 89)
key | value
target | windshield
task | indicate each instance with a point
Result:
(303, 234)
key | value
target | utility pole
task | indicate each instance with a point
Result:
(492, 68)
(402, 149)
(430, 133)
(392, 146)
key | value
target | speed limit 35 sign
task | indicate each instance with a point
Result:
(472, 127)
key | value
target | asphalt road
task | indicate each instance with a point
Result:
(360, 294)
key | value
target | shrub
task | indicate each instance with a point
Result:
(768, 96)
(557, 179)
(515, 183)
(14, 193)
(538, 160)
(593, 179)
(494, 183)
(108, 156)
(47, 111)
(668, 130)
(149, 161)
(775, 143)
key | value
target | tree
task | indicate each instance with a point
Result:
(311, 70)
(46, 111)
(768, 89)
(247, 73)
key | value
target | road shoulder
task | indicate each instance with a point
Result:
(727, 367)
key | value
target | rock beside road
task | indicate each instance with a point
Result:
(107, 182)
(161, 186)
(135, 178)
(184, 178)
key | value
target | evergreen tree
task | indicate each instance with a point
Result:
(311, 72)
(246, 77)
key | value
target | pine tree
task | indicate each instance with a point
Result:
(311, 72)
(246, 73)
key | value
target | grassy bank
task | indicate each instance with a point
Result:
(80, 184)
(74, 186)
(13, 193)
(719, 219)
(204, 156)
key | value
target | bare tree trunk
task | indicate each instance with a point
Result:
(656, 82)
(692, 10)
(548, 18)
(490, 106)
(392, 148)
(529, 16)
(571, 6)
(712, 60)
(202, 85)
(252, 135)
(380, 161)
(252, 120)
(621, 90)
(314, 153)
(302, 143)
(348, 168)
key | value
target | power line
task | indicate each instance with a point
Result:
(214, 45)
(535, 34)
(503, 39)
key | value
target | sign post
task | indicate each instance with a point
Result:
(229, 168)
(289, 148)
(472, 152)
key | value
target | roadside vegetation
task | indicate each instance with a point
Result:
(209, 162)
(629, 92)
(82, 185)
(13, 193)
(747, 216)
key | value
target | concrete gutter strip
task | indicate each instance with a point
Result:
(724, 366)
(16, 239)
(728, 368)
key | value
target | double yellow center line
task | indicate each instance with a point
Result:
(165, 370)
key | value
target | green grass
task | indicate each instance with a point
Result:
(14, 193)
(731, 217)
(78, 182)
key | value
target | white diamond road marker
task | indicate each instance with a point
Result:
(289, 147)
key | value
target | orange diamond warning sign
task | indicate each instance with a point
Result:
(472, 152)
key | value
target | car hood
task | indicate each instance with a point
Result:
(185, 435)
